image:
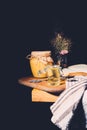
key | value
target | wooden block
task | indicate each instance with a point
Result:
(42, 96)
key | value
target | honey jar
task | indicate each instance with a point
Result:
(39, 60)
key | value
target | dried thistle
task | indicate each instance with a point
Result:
(61, 44)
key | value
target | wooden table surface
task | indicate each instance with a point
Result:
(42, 92)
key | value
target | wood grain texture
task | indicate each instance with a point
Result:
(42, 96)
(41, 85)
(41, 91)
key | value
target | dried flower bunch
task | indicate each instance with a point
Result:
(61, 44)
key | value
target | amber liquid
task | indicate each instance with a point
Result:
(54, 76)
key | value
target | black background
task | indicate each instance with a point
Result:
(29, 26)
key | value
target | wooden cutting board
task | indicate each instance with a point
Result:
(43, 85)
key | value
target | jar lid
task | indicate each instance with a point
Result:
(40, 53)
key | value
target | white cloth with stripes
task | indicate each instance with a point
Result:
(68, 100)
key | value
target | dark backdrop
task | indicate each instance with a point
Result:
(29, 26)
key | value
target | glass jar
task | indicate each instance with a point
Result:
(54, 75)
(38, 61)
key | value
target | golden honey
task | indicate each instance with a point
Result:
(54, 75)
(39, 60)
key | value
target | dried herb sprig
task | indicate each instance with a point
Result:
(61, 44)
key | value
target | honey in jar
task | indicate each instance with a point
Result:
(39, 60)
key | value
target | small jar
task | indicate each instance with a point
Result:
(39, 60)
(54, 75)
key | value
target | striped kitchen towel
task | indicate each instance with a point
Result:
(68, 100)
